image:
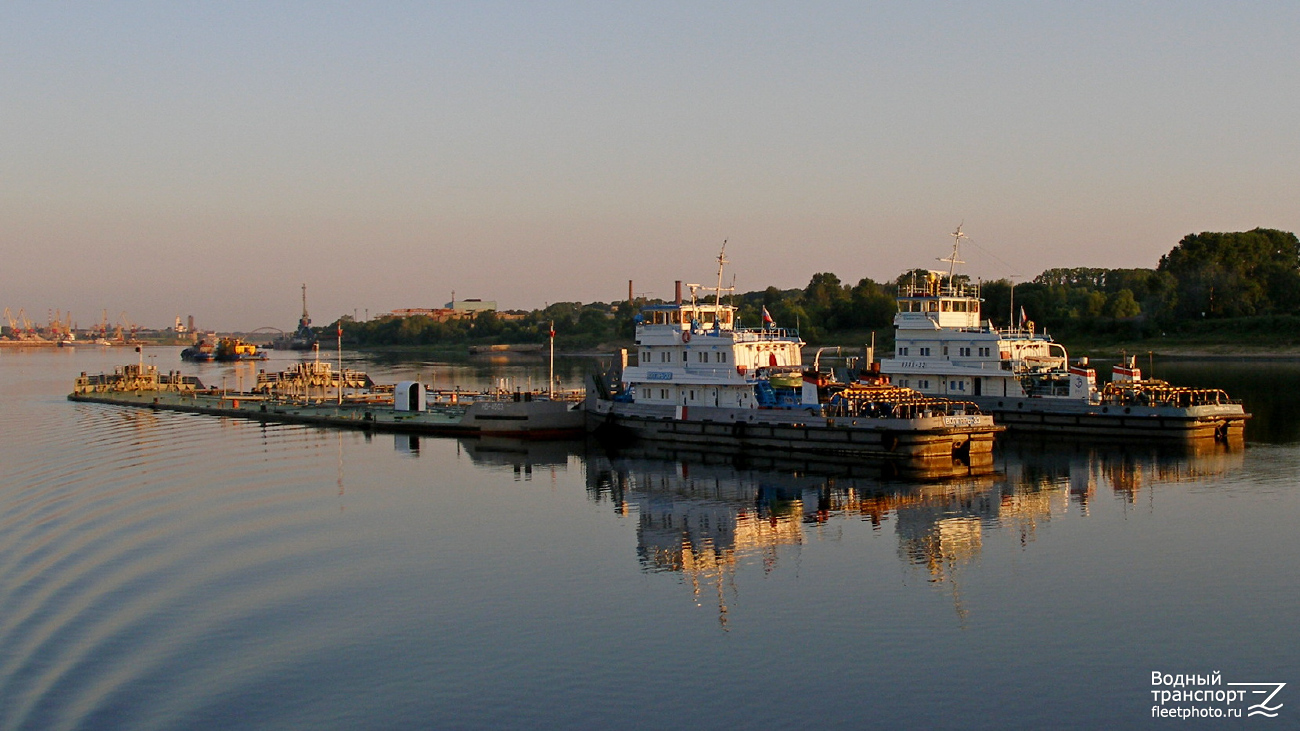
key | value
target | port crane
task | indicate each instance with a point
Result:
(124, 322)
(20, 328)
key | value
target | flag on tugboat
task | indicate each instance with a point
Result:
(767, 318)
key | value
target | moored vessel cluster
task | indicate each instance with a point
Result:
(701, 381)
(225, 350)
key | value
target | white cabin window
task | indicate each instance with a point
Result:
(902, 351)
(663, 394)
(925, 352)
(924, 383)
(964, 352)
(722, 357)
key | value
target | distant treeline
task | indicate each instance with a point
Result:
(1204, 280)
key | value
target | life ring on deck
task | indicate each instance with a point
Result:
(686, 336)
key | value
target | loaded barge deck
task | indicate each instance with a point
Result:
(290, 398)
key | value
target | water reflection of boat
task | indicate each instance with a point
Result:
(521, 456)
(707, 519)
(1123, 469)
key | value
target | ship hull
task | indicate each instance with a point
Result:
(930, 446)
(525, 419)
(1046, 416)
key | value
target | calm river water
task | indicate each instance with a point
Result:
(173, 571)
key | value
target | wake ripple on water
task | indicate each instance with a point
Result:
(136, 559)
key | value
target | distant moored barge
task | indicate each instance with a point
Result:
(312, 393)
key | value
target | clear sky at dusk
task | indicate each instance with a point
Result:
(170, 159)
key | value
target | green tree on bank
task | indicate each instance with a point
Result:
(1205, 278)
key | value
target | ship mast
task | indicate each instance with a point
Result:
(722, 261)
(952, 260)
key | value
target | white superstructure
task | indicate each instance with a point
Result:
(691, 354)
(943, 348)
(701, 381)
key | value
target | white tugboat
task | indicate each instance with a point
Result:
(1026, 380)
(703, 381)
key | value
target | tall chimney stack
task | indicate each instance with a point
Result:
(679, 292)
(630, 298)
